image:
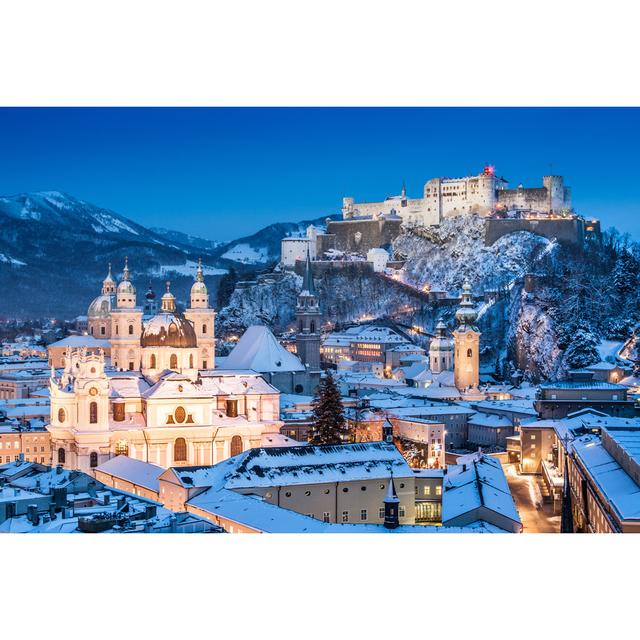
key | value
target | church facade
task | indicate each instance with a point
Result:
(161, 400)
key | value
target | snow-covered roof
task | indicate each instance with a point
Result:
(582, 384)
(81, 341)
(131, 470)
(259, 350)
(514, 406)
(483, 484)
(621, 491)
(318, 464)
(490, 421)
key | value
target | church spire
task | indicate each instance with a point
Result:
(108, 284)
(403, 193)
(199, 274)
(307, 282)
(168, 300)
(125, 271)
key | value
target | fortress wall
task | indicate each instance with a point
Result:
(571, 231)
(321, 267)
(358, 236)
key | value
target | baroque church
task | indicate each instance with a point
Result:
(162, 400)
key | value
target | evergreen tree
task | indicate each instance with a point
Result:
(582, 350)
(329, 425)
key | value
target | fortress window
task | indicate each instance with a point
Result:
(93, 459)
(61, 416)
(180, 450)
(93, 412)
(173, 361)
(236, 445)
(61, 455)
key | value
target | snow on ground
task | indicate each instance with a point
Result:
(187, 269)
(247, 254)
(608, 349)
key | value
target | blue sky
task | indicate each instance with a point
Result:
(226, 172)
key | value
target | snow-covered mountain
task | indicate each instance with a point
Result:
(54, 251)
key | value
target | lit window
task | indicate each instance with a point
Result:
(439, 490)
(401, 512)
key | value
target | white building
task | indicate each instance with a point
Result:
(296, 248)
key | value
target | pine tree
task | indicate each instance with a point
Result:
(329, 425)
(582, 350)
(226, 287)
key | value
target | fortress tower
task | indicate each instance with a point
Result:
(467, 343)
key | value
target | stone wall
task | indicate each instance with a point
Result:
(570, 231)
(358, 236)
(321, 267)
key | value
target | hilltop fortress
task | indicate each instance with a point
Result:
(485, 195)
(365, 226)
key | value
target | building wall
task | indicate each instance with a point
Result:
(536, 445)
(359, 236)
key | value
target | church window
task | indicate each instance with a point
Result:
(91, 330)
(122, 448)
(173, 361)
(117, 330)
(469, 353)
(180, 450)
(102, 331)
(61, 455)
(93, 459)
(236, 445)
(191, 361)
(152, 361)
(300, 326)
(180, 415)
(93, 412)
(130, 329)
(204, 364)
(232, 408)
(204, 328)
(313, 326)
(61, 415)
(130, 366)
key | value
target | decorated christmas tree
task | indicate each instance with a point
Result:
(329, 425)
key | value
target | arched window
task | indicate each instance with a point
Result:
(122, 448)
(152, 362)
(313, 326)
(61, 415)
(130, 329)
(204, 328)
(236, 445)
(173, 361)
(91, 330)
(300, 326)
(180, 450)
(61, 455)
(102, 331)
(117, 331)
(191, 361)
(93, 459)
(469, 353)
(93, 412)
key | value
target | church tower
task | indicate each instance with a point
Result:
(441, 350)
(126, 325)
(309, 318)
(467, 343)
(391, 507)
(99, 312)
(203, 318)
(109, 284)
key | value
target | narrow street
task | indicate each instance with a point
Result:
(536, 516)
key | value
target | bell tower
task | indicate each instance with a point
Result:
(203, 318)
(467, 344)
(309, 318)
(126, 325)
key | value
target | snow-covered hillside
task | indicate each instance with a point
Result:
(442, 257)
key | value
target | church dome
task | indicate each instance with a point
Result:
(441, 342)
(100, 307)
(169, 330)
(199, 288)
(126, 287)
